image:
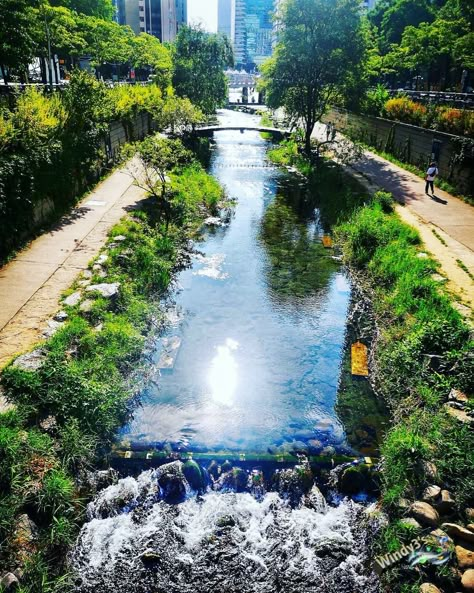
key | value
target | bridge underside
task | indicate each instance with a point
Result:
(209, 131)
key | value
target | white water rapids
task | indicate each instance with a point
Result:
(220, 541)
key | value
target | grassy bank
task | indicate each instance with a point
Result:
(69, 408)
(422, 350)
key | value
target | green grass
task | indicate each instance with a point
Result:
(463, 267)
(439, 237)
(416, 322)
(85, 388)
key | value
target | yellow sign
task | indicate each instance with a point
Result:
(360, 366)
(327, 241)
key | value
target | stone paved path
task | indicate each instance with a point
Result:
(31, 284)
(446, 223)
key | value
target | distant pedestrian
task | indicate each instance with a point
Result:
(430, 177)
(328, 131)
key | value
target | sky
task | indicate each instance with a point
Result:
(203, 12)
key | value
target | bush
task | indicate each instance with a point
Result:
(405, 110)
(454, 121)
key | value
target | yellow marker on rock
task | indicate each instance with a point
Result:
(360, 366)
(327, 241)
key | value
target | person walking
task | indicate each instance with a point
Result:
(430, 177)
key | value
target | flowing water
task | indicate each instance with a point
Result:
(250, 363)
(257, 325)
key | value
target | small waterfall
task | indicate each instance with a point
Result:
(251, 541)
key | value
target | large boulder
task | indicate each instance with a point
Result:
(195, 475)
(172, 482)
(294, 483)
(424, 513)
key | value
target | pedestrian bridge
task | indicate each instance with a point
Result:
(209, 130)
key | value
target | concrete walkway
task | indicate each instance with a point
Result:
(31, 285)
(446, 223)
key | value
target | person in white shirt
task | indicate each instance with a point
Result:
(430, 177)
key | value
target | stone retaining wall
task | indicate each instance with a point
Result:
(411, 144)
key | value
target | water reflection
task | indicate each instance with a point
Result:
(223, 373)
(262, 330)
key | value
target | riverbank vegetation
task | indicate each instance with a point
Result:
(70, 403)
(423, 360)
(68, 132)
(422, 368)
(326, 41)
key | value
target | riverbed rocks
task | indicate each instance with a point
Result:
(424, 513)
(234, 480)
(293, 483)
(429, 588)
(467, 580)
(430, 493)
(31, 361)
(357, 478)
(9, 582)
(195, 475)
(464, 556)
(172, 482)
(107, 291)
(458, 532)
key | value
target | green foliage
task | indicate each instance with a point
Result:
(419, 325)
(200, 59)
(320, 45)
(68, 411)
(17, 41)
(415, 37)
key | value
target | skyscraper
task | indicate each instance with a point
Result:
(253, 32)
(161, 18)
(224, 17)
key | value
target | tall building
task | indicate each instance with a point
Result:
(253, 32)
(161, 18)
(225, 8)
(128, 14)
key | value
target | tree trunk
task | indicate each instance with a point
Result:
(4, 74)
(307, 139)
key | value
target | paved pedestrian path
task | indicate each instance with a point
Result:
(446, 223)
(31, 284)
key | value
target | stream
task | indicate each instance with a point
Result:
(249, 367)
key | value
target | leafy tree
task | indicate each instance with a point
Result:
(158, 156)
(401, 14)
(16, 39)
(200, 59)
(107, 42)
(319, 48)
(148, 52)
(103, 9)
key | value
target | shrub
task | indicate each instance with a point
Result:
(405, 110)
(455, 121)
